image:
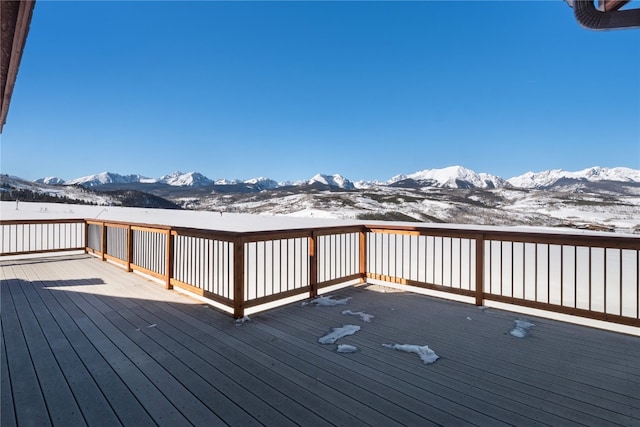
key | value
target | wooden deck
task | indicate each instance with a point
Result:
(84, 342)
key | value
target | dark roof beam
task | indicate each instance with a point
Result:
(15, 17)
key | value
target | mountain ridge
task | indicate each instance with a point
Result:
(448, 177)
(572, 202)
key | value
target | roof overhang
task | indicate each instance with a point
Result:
(606, 16)
(16, 19)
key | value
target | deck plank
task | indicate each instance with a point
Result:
(499, 389)
(28, 400)
(165, 399)
(7, 411)
(150, 356)
(90, 399)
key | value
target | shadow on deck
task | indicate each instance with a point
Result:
(85, 343)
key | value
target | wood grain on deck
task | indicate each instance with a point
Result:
(84, 342)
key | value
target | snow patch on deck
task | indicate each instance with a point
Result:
(427, 355)
(361, 314)
(338, 333)
(346, 348)
(522, 328)
(327, 301)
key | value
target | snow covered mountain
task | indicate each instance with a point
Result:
(105, 178)
(335, 180)
(597, 198)
(262, 183)
(546, 179)
(451, 177)
(189, 179)
(50, 180)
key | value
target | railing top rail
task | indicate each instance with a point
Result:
(557, 237)
(127, 223)
(252, 236)
(41, 221)
(204, 233)
(594, 239)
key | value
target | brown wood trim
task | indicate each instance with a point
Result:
(115, 225)
(115, 259)
(587, 240)
(276, 297)
(135, 267)
(127, 223)
(93, 251)
(129, 248)
(362, 254)
(40, 221)
(147, 229)
(168, 261)
(384, 230)
(339, 280)
(238, 278)
(479, 292)
(256, 236)
(103, 241)
(313, 265)
(203, 293)
(204, 234)
(262, 236)
(580, 312)
(424, 285)
(339, 230)
(41, 251)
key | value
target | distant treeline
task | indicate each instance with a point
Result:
(127, 198)
(22, 195)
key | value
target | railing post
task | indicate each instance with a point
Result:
(480, 270)
(103, 243)
(168, 263)
(238, 277)
(313, 265)
(129, 248)
(86, 236)
(363, 255)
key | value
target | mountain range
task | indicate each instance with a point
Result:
(595, 198)
(449, 177)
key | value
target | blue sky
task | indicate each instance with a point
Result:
(289, 89)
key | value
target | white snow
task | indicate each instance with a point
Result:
(338, 333)
(427, 355)
(346, 348)
(596, 173)
(50, 180)
(225, 181)
(327, 301)
(335, 180)
(104, 178)
(449, 177)
(189, 179)
(264, 183)
(180, 218)
(521, 329)
(362, 315)
(243, 320)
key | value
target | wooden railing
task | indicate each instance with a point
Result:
(592, 276)
(595, 276)
(32, 237)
